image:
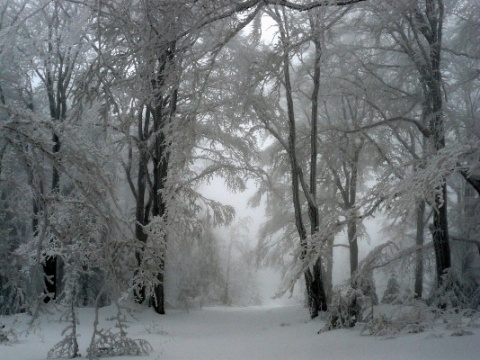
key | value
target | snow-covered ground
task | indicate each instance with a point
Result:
(246, 333)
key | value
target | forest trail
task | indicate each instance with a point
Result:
(248, 333)
(287, 333)
(240, 333)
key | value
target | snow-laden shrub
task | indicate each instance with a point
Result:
(475, 299)
(455, 292)
(8, 335)
(343, 311)
(3, 334)
(68, 346)
(354, 303)
(347, 308)
(106, 342)
(394, 295)
(419, 317)
(363, 281)
(409, 319)
(392, 292)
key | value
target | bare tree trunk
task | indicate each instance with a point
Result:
(51, 263)
(434, 12)
(317, 286)
(419, 242)
(317, 300)
(59, 65)
(353, 243)
(426, 55)
(161, 122)
(142, 208)
(440, 237)
(302, 232)
(160, 166)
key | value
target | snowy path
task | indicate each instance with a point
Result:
(287, 333)
(242, 333)
(250, 334)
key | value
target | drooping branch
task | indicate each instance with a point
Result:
(474, 181)
(417, 123)
(248, 5)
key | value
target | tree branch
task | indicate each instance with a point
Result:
(475, 182)
(425, 132)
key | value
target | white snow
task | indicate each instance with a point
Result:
(245, 333)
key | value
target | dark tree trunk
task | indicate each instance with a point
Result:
(160, 165)
(295, 169)
(430, 25)
(56, 78)
(314, 282)
(162, 118)
(142, 207)
(50, 264)
(352, 186)
(319, 287)
(353, 243)
(441, 243)
(50, 273)
(419, 241)
(153, 131)
(159, 209)
(317, 298)
(315, 288)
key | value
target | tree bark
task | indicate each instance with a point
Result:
(419, 242)
(59, 64)
(142, 209)
(427, 59)
(353, 243)
(51, 262)
(317, 286)
(434, 12)
(162, 118)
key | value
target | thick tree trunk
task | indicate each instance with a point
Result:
(309, 277)
(56, 79)
(437, 128)
(317, 298)
(353, 243)
(313, 277)
(160, 164)
(50, 264)
(142, 209)
(162, 118)
(419, 242)
(159, 291)
(441, 243)
(317, 289)
(431, 26)
(440, 220)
